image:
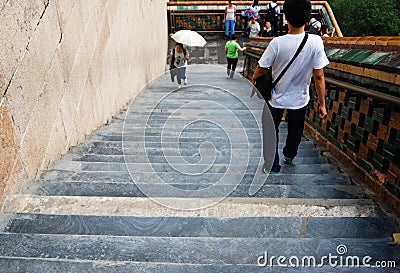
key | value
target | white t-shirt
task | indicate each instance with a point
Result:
(315, 23)
(255, 9)
(230, 12)
(277, 9)
(292, 91)
(179, 59)
(254, 29)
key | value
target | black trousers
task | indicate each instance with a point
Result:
(232, 62)
(296, 119)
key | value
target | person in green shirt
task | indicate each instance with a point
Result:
(232, 49)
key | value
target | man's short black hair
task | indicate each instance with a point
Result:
(297, 12)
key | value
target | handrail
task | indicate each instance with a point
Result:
(210, 3)
(365, 91)
(218, 3)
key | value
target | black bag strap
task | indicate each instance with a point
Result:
(292, 60)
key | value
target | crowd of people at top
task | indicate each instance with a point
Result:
(270, 26)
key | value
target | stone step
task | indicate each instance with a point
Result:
(150, 176)
(190, 207)
(8, 265)
(190, 132)
(173, 159)
(190, 151)
(177, 145)
(190, 167)
(241, 227)
(221, 251)
(192, 190)
(158, 142)
(278, 179)
(192, 138)
(141, 118)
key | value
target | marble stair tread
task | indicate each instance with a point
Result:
(191, 165)
(183, 143)
(161, 159)
(170, 177)
(156, 139)
(244, 251)
(329, 191)
(122, 177)
(277, 179)
(193, 190)
(351, 227)
(206, 207)
(239, 227)
(154, 190)
(239, 150)
(9, 265)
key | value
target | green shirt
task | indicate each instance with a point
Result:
(232, 48)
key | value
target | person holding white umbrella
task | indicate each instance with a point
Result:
(178, 62)
(179, 55)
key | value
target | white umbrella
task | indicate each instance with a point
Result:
(189, 38)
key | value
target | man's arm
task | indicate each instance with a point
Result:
(319, 80)
(260, 71)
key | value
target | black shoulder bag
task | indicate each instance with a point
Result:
(265, 84)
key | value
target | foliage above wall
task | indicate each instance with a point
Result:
(367, 18)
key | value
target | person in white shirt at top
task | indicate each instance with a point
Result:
(315, 26)
(230, 18)
(253, 11)
(254, 27)
(292, 91)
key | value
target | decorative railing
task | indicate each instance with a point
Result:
(363, 103)
(208, 15)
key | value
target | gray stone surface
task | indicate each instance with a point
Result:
(377, 227)
(241, 227)
(57, 265)
(219, 251)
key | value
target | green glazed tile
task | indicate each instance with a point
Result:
(376, 57)
(361, 56)
(340, 53)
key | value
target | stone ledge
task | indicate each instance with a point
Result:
(377, 43)
(209, 207)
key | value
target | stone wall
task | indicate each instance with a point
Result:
(65, 68)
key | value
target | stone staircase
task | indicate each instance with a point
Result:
(165, 187)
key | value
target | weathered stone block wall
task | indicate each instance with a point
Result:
(65, 68)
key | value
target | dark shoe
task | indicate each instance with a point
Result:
(288, 160)
(270, 172)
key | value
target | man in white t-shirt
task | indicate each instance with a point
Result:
(292, 91)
